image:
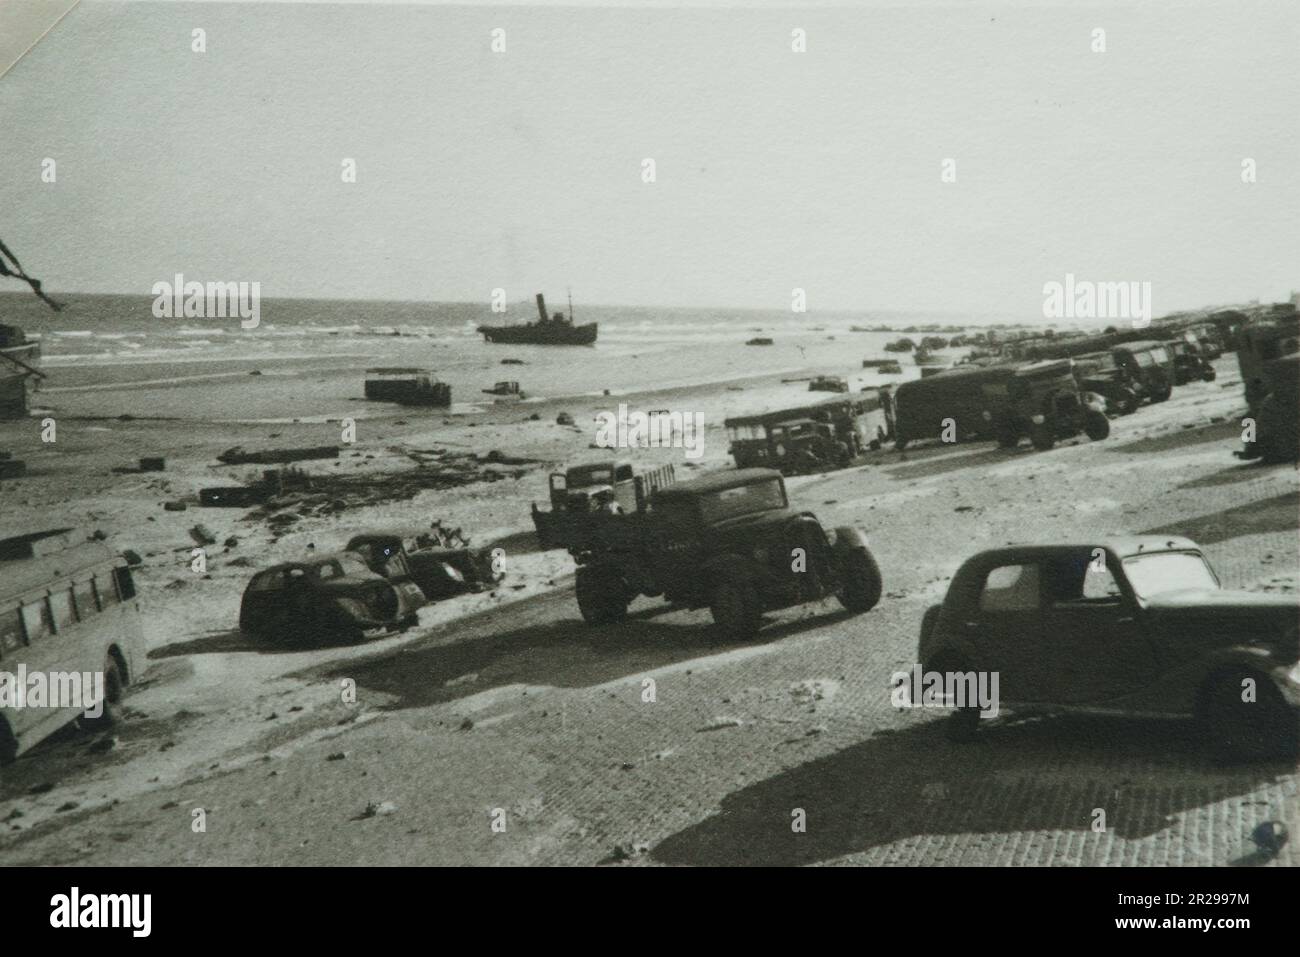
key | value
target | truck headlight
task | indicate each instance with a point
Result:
(1294, 674)
(1038, 420)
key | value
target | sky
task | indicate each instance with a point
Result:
(775, 170)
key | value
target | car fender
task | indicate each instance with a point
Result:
(845, 537)
(1183, 686)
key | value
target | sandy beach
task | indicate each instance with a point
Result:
(240, 729)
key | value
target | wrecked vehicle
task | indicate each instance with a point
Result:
(730, 542)
(828, 383)
(67, 605)
(610, 486)
(1189, 364)
(406, 386)
(1042, 401)
(822, 435)
(326, 595)
(1099, 372)
(1130, 626)
(509, 390)
(439, 571)
(923, 407)
(1148, 363)
(1258, 344)
(1277, 429)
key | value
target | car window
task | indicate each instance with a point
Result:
(328, 570)
(1010, 588)
(1099, 584)
(84, 594)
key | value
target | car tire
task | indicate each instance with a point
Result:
(113, 685)
(1008, 436)
(1095, 425)
(860, 581)
(601, 595)
(1237, 730)
(1161, 395)
(1127, 402)
(1043, 437)
(735, 608)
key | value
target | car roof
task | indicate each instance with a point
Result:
(1124, 546)
(718, 481)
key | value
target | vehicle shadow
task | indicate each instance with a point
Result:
(1241, 472)
(565, 653)
(1215, 432)
(1017, 775)
(232, 640)
(1276, 514)
(950, 459)
(519, 543)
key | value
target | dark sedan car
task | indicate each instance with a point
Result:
(1133, 626)
(328, 595)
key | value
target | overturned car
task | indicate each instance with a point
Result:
(440, 570)
(333, 596)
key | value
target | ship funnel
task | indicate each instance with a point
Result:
(541, 307)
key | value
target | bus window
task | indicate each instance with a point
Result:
(61, 605)
(125, 584)
(106, 590)
(11, 631)
(37, 621)
(84, 594)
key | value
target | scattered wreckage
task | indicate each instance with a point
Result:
(335, 596)
(730, 542)
(1137, 625)
(406, 386)
(442, 564)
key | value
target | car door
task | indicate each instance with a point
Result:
(1099, 648)
(1005, 629)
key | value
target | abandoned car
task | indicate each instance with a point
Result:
(1277, 413)
(439, 571)
(1189, 364)
(822, 435)
(328, 595)
(1130, 626)
(730, 542)
(1042, 400)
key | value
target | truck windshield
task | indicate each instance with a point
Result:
(599, 475)
(1168, 571)
(741, 500)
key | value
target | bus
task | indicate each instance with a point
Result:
(68, 607)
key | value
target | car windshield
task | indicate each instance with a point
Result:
(742, 500)
(1143, 359)
(597, 475)
(1162, 572)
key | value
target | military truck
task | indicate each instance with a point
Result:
(406, 386)
(1099, 372)
(823, 435)
(923, 407)
(1149, 363)
(611, 486)
(1041, 400)
(1258, 344)
(1189, 364)
(1277, 431)
(730, 542)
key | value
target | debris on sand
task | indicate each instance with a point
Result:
(564, 418)
(723, 721)
(239, 456)
(377, 809)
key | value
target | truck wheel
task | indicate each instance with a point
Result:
(1238, 730)
(1008, 437)
(860, 583)
(112, 696)
(1096, 425)
(601, 596)
(1209, 374)
(1161, 394)
(1043, 436)
(735, 608)
(1126, 402)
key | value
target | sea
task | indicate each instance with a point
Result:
(306, 359)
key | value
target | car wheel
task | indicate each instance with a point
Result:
(735, 607)
(860, 582)
(1096, 425)
(1161, 395)
(601, 595)
(1238, 730)
(113, 685)
(1008, 437)
(1127, 402)
(1043, 436)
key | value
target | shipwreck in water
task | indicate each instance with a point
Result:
(557, 330)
